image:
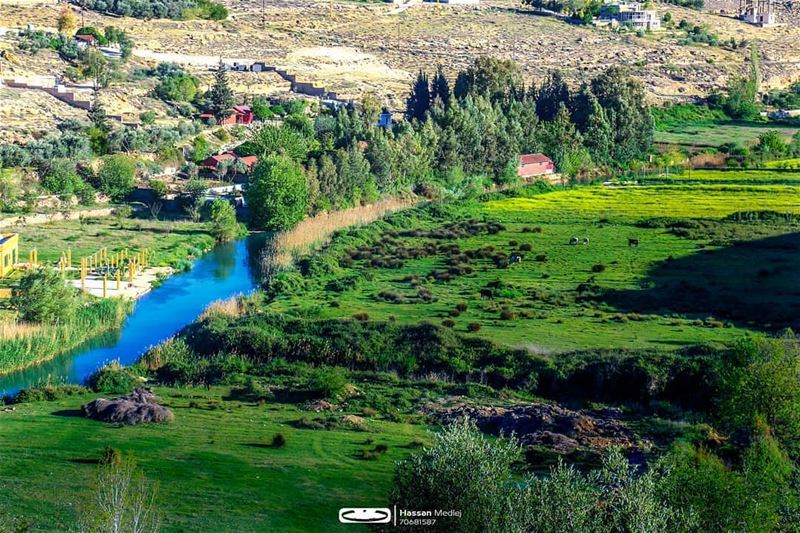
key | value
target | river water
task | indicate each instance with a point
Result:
(227, 270)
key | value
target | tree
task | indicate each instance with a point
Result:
(419, 101)
(159, 190)
(224, 226)
(278, 194)
(762, 381)
(624, 102)
(44, 297)
(551, 95)
(742, 91)
(98, 116)
(461, 470)
(270, 139)
(201, 149)
(192, 195)
(67, 22)
(220, 97)
(597, 135)
(124, 501)
(440, 88)
(490, 77)
(772, 144)
(115, 176)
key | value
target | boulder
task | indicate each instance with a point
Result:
(141, 406)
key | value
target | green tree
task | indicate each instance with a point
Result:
(270, 139)
(490, 77)
(43, 296)
(742, 91)
(220, 97)
(461, 470)
(278, 194)
(551, 95)
(419, 101)
(440, 88)
(762, 381)
(116, 175)
(224, 226)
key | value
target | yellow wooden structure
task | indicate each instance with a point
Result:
(9, 252)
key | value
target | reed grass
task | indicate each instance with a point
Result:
(23, 345)
(313, 231)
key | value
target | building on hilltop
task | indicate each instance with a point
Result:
(758, 12)
(630, 15)
(9, 253)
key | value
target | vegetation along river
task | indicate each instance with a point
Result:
(227, 270)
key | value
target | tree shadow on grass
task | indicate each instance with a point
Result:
(752, 283)
(69, 413)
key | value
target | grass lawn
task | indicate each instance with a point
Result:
(563, 297)
(729, 177)
(171, 241)
(717, 134)
(215, 468)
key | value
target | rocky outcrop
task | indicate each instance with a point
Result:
(549, 425)
(141, 406)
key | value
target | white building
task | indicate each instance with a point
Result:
(628, 14)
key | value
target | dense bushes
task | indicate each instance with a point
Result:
(145, 9)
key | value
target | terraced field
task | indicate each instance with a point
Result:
(712, 262)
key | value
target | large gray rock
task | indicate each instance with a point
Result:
(141, 406)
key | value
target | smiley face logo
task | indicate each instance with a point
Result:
(365, 515)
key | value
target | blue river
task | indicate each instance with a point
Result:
(229, 269)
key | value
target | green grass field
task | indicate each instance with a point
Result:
(725, 177)
(685, 283)
(714, 135)
(216, 470)
(171, 241)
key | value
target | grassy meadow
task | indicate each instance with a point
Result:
(215, 466)
(710, 265)
(172, 242)
(716, 134)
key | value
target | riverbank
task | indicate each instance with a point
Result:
(25, 345)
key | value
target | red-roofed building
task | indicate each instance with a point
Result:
(86, 39)
(213, 162)
(531, 165)
(249, 161)
(240, 114)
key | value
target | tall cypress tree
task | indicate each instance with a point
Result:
(220, 97)
(98, 116)
(441, 87)
(552, 94)
(419, 101)
(597, 135)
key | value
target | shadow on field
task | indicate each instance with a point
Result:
(69, 412)
(754, 283)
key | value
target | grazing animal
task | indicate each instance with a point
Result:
(515, 259)
(585, 240)
(573, 241)
(633, 242)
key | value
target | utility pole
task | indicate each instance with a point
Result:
(331, 8)
(263, 16)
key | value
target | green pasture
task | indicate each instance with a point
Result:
(216, 469)
(685, 283)
(726, 177)
(171, 241)
(702, 135)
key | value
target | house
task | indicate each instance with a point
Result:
(9, 252)
(630, 15)
(757, 12)
(531, 165)
(250, 161)
(240, 114)
(385, 120)
(85, 39)
(213, 162)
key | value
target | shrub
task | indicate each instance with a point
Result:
(116, 176)
(462, 306)
(43, 297)
(541, 258)
(111, 456)
(278, 441)
(113, 378)
(507, 314)
(448, 323)
(525, 247)
(473, 327)
(362, 317)
(329, 382)
(599, 267)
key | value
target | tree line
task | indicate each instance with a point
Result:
(454, 140)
